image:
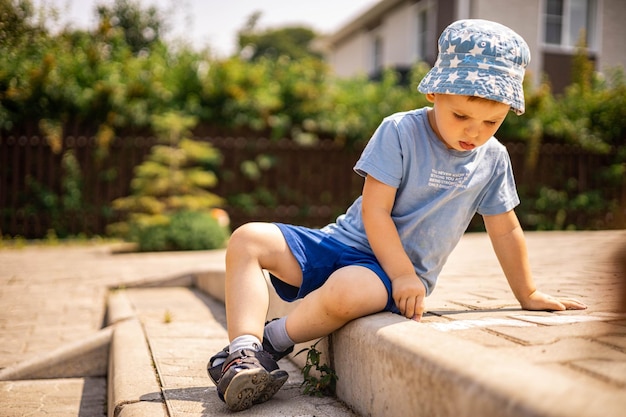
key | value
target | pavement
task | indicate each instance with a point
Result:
(87, 331)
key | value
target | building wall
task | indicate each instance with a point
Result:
(526, 21)
(397, 29)
(613, 34)
(351, 56)
(354, 55)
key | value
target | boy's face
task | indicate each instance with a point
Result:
(462, 123)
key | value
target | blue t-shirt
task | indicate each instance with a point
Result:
(438, 190)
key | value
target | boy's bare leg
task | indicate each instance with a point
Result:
(252, 248)
(253, 377)
(351, 292)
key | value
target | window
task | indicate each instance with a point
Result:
(424, 31)
(377, 54)
(567, 20)
(422, 34)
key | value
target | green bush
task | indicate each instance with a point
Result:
(564, 209)
(171, 207)
(186, 230)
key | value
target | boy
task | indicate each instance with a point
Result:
(427, 172)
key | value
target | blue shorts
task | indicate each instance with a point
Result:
(319, 255)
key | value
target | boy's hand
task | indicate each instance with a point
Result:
(409, 293)
(540, 301)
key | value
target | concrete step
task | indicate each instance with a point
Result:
(84, 358)
(162, 341)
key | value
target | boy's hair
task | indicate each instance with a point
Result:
(481, 99)
(480, 58)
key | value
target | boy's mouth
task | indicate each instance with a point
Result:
(466, 146)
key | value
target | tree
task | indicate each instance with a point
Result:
(171, 207)
(582, 66)
(294, 42)
(142, 28)
(17, 22)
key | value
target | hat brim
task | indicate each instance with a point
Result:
(486, 83)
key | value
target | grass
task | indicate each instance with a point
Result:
(52, 240)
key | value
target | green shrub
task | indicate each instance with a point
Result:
(196, 230)
(171, 207)
(186, 230)
(150, 238)
(564, 209)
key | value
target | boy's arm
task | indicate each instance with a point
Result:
(407, 289)
(509, 245)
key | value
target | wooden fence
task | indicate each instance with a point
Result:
(261, 180)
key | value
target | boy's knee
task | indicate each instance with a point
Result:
(341, 307)
(347, 300)
(263, 242)
(336, 293)
(244, 237)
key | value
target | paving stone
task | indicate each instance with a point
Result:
(616, 341)
(485, 338)
(611, 370)
(62, 397)
(552, 334)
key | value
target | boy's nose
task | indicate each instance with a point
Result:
(471, 131)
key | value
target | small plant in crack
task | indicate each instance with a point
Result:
(167, 317)
(313, 385)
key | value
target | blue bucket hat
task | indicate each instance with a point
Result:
(480, 58)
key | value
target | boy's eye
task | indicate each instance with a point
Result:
(459, 116)
(490, 123)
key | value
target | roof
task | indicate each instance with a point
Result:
(369, 19)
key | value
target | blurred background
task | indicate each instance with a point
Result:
(211, 23)
(170, 123)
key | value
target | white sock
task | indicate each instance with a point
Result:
(245, 342)
(242, 342)
(276, 333)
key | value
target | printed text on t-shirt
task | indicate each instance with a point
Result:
(442, 179)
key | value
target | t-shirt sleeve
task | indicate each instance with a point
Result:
(382, 157)
(501, 195)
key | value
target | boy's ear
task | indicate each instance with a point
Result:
(430, 97)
